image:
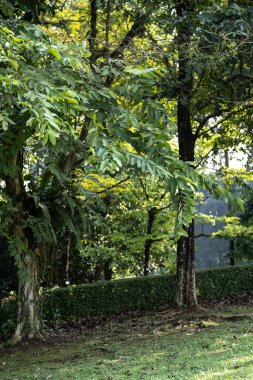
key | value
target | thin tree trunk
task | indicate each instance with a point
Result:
(93, 29)
(232, 252)
(148, 242)
(64, 280)
(231, 245)
(108, 272)
(98, 272)
(185, 288)
(107, 28)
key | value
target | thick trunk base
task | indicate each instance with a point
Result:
(28, 320)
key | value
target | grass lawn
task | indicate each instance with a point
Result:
(216, 343)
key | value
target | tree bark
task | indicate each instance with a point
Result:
(148, 242)
(26, 253)
(185, 283)
(93, 29)
(28, 319)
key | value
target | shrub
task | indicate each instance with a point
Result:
(224, 282)
(143, 293)
(8, 317)
(106, 298)
(119, 296)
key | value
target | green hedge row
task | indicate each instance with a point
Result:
(119, 296)
(215, 284)
(144, 293)
(109, 297)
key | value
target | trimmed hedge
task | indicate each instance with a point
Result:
(143, 293)
(215, 284)
(119, 296)
(109, 297)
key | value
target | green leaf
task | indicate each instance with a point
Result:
(52, 50)
(45, 138)
(52, 136)
(13, 63)
(5, 125)
(141, 70)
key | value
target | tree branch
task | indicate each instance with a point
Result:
(144, 189)
(164, 208)
(137, 29)
(93, 28)
(113, 186)
(202, 235)
(232, 113)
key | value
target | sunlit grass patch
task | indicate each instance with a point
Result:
(207, 346)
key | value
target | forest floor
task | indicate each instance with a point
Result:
(214, 343)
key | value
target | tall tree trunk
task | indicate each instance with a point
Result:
(186, 288)
(93, 30)
(148, 242)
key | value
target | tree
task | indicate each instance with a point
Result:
(204, 86)
(37, 108)
(57, 113)
(186, 288)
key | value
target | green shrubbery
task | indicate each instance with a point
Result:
(8, 317)
(105, 298)
(224, 282)
(144, 293)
